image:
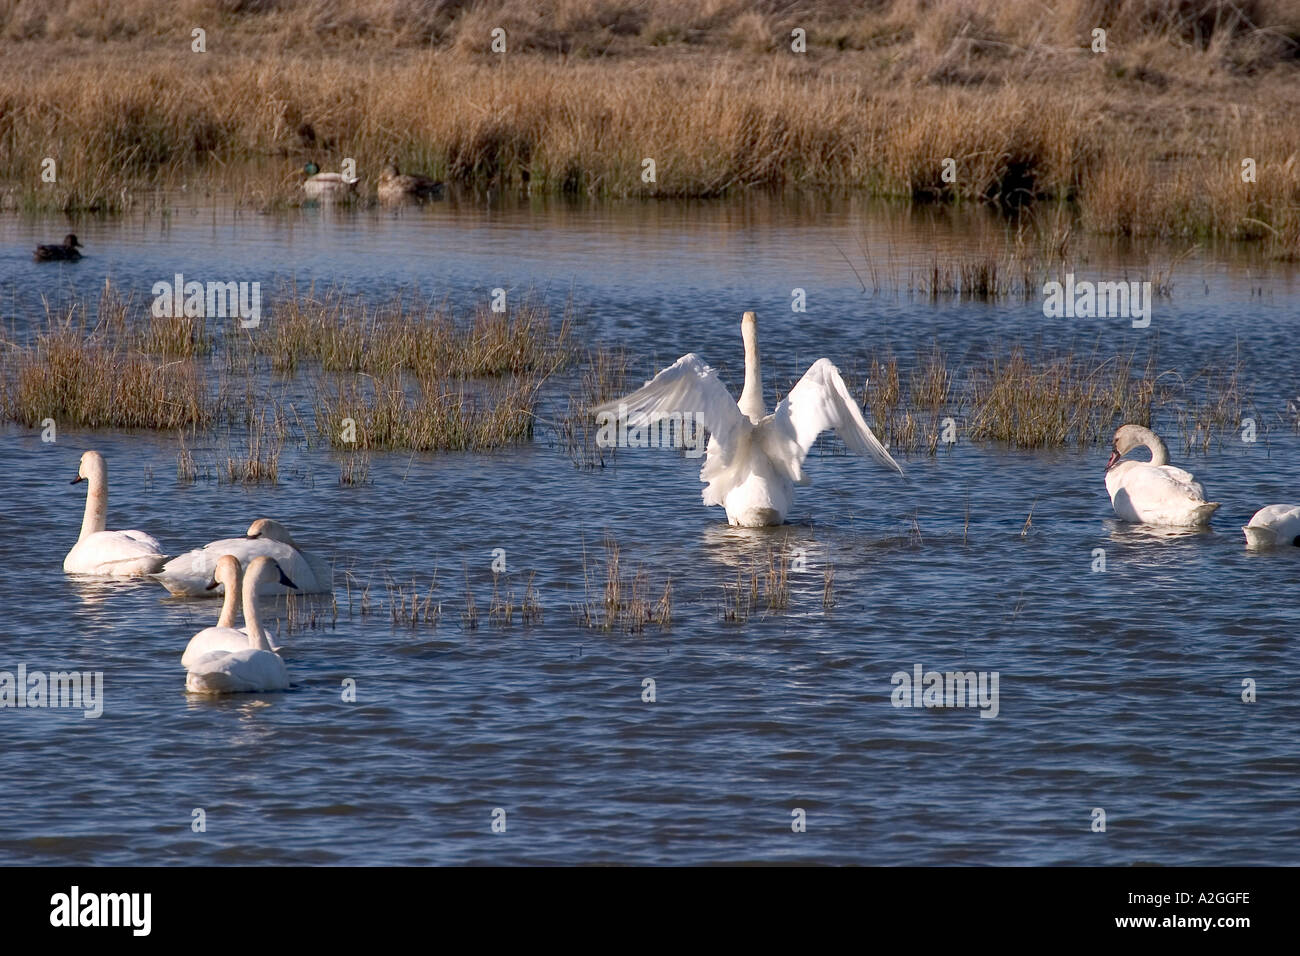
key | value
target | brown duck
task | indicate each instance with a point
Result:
(66, 252)
(394, 186)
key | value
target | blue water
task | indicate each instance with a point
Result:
(1119, 690)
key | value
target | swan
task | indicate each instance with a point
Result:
(1153, 492)
(224, 636)
(395, 186)
(753, 459)
(320, 185)
(115, 554)
(1274, 525)
(70, 251)
(190, 574)
(250, 667)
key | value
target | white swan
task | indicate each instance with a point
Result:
(249, 668)
(754, 459)
(1153, 492)
(190, 574)
(1272, 526)
(116, 554)
(224, 636)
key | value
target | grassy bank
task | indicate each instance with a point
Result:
(1145, 139)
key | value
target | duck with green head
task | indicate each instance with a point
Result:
(320, 185)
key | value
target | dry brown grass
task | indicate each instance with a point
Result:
(84, 378)
(623, 603)
(394, 412)
(348, 334)
(1147, 139)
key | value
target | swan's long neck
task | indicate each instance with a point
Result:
(256, 636)
(751, 397)
(230, 604)
(1159, 451)
(96, 505)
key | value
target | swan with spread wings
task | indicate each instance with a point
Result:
(753, 459)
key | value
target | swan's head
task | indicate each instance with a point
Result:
(271, 530)
(264, 568)
(1127, 437)
(92, 467)
(226, 574)
(749, 329)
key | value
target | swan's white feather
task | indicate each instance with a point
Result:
(211, 640)
(247, 671)
(119, 554)
(1158, 494)
(1273, 525)
(752, 465)
(818, 402)
(688, 386)
(190, 573)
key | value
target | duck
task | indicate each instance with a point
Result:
(112, 554)
(395, 186)
(320, 185)
(224, 636)
(68, 252)
(190, 574)
(1153, 492)
(227, 667)
(753, 459)
(1273, 526)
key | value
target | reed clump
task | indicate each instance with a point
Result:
(83, 378)
(624, 603)
(342, 334)
(1057, 399)
(603, 377)
(392, 412)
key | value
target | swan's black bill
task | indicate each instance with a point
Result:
(215, 584)
(284, 579)
(253, 537)
(76, 480)
(1114, 457)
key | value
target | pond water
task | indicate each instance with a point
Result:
(1118, 690)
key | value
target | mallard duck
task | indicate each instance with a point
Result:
(64, 253)
(394, 185)
(319, 185)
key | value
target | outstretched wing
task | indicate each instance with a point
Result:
(820, 401)
(687, 387)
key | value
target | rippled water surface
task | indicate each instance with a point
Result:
(1119, 690)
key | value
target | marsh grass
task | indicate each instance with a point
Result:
(412, 606)
(1145, 140)
(623, 603)
(395, 413)
(337, 333)
(1054, 400)
(604, 377)
(354, 468)
(82, 377)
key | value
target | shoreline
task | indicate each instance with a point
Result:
(1146, 140)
